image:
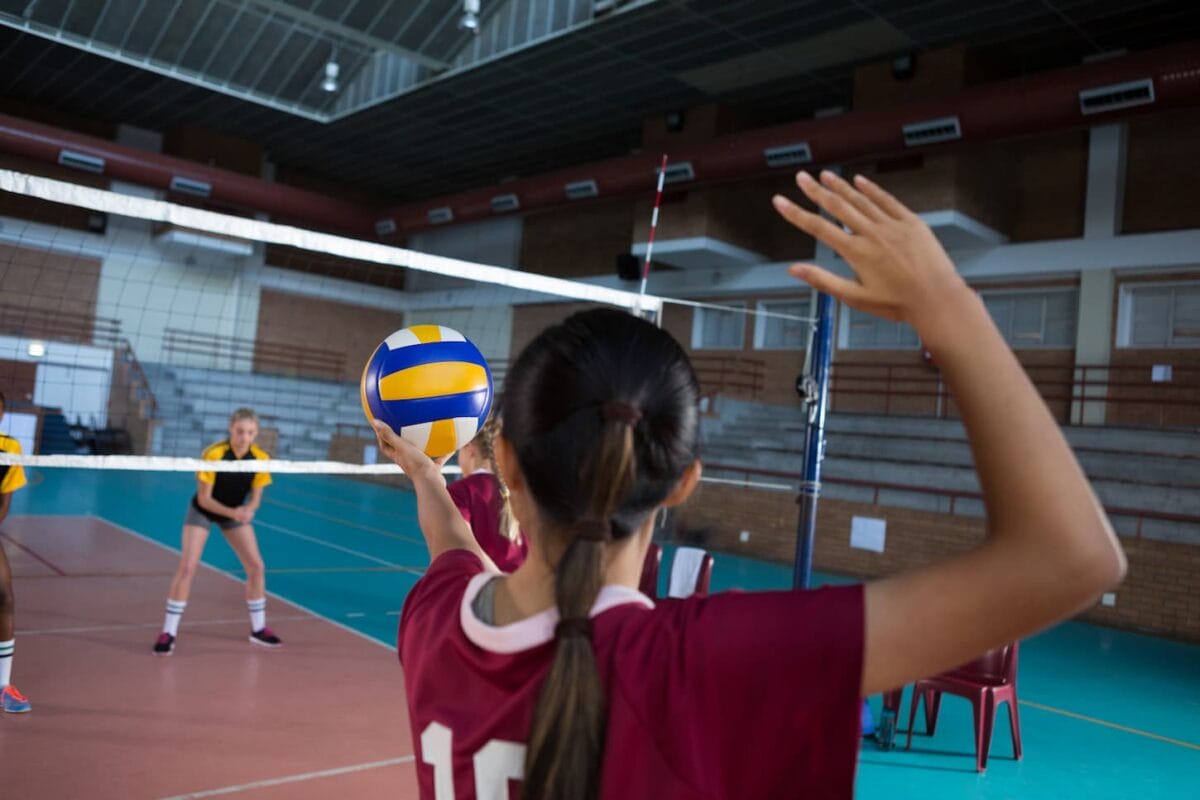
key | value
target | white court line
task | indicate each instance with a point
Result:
(235, 578)
(304, 776)
(340, 521)
(331, 545)
(137, 625)
(355, 614)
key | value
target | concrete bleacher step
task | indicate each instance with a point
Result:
(1130, 468)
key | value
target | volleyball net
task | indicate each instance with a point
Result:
(132, 326)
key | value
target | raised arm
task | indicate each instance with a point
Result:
(441, 523)
(1050, 550)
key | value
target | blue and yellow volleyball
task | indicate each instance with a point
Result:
(430, 385)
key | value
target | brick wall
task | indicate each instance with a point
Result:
(577, 241)
(47, 294)
(351, 331)
(779, 368)
(1162, 167)
(737, 213)
(1051, 191)
(18, 380)
(1157, 596)
(529, 321)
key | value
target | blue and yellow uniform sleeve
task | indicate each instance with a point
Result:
(13, 476)
(261, 479)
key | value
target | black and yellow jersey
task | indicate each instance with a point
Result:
(12, 476)
(230, 488)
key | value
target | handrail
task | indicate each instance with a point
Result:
(44, 323)
(720, 373)
(953, 494)
(261, 352)
(1072, 385)
(141, 382)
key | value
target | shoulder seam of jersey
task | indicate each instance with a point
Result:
(213, 447)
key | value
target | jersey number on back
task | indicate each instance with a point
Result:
(495, 764)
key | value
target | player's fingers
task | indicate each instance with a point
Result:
(881, 198)
(861, 203)
(813, 224)
(834, 204)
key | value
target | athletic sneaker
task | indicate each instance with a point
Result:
(266, 638)
(13, 701)
(164, 645)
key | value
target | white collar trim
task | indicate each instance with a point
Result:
(538, 629)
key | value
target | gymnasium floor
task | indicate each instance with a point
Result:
(1104, 714)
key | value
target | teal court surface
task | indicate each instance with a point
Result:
(1104, 713)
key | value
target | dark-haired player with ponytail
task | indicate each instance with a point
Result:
(561, 681)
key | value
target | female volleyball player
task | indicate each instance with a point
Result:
(482, 499)
(563, 676)
(12, 477)
(229, 500)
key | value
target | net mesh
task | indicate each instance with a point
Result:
(130, 325)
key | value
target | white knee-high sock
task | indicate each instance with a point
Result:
(6, 661)
(174, 614)
(258, 613)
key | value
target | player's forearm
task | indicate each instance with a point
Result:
(1037, 497)
(441, 522)
(215, 507)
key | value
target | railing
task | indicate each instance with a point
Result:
(276, 357)
(139, 384)
(954, 495)
(725, 375)
(59, 325)
(1078, 394)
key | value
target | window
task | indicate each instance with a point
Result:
(778, 332)
(1035, 318)
(1160, 315)
(714, 329)
(863, 331)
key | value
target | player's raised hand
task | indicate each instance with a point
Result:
(405, 454)
(902, 271)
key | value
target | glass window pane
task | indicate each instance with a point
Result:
(1025, 329)
(721, 330)
(1062, 318)
(1151, 317)
(1186, 327)
(784, 334)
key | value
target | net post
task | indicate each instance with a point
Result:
(813, 386)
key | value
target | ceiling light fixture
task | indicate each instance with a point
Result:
(470, 17)
(330, 84)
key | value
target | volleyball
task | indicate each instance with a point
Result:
(430, 385)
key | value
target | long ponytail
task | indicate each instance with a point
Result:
(566, 739)
(601, 413)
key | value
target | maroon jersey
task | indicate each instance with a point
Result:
(738, 695)
(478, 499)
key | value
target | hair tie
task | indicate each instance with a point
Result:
(567, 628)
(593, 530)
(620, 411)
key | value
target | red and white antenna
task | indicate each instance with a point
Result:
(662, 176)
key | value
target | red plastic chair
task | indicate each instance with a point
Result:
(987, 682)
(648, 585)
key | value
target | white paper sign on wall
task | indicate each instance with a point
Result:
(868, 533)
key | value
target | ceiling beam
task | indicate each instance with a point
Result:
(279, 8)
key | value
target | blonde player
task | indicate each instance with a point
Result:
(228, 500)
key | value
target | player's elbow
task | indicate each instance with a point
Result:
(1099, 562)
